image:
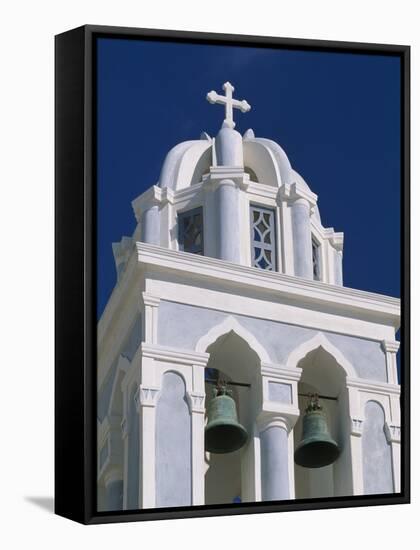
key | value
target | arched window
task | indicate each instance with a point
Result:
(316, 259)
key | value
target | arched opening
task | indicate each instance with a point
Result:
(322, 374)
(230, 476)
(252, 174)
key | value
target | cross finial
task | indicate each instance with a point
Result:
(229, 103)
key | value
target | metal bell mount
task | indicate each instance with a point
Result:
(317, 448)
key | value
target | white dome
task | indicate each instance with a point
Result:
(185, 164)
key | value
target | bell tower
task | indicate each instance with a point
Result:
(233, 364)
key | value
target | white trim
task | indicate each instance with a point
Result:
(391, 346)
(279, 371)
(320, 341)
(297, 288)
(372, 386)
(174, 355)
(230, 324)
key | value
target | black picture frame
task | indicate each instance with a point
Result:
(75, 274)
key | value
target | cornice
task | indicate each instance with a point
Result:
(174, 355)
(299, 289)
(291, 192)
(279, 371)
(370, 386)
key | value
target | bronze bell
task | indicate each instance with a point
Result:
(317, 448)
(223, 433)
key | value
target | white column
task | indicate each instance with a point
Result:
(302, 240)
(228, 234)
(150, 225)
(390, 348)
(356, 430)
(150, 317)
(393, 435)
(301, 203)
(146, 406)
(275, 460)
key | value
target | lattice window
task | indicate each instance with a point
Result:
(316, 260)
(263, 239)
(190, 231)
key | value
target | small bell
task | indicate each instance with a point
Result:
(317, 448)
(223, 433)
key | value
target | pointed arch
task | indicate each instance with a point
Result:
(230, 324)
(320, 341)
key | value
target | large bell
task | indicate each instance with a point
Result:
(317, 448)
(223, 433)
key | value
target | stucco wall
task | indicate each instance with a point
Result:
(181, 326)
(377, 461)
(173, 444)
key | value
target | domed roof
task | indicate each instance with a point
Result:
(185, 163)
(265, 155)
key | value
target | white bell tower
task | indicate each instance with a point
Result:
(230, 270)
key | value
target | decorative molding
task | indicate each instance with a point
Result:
(268, 419)
(196, 401)
(292, 192)
(373, 386)
(218, 174)
(150, 300)
(276, 371)
(230, 324)
(286, 286)
(356, 426)
(320, 341)
(174, 355)
(154, 196)
(146, 396)
(391, 346)
(392, 432)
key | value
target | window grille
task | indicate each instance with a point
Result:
(190, 231)
(263, 240)
(316, 260)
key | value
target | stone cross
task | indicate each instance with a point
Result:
(229, 103)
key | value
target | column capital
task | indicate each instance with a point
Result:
(356, 426)
(269, 419)
(150, 299)
(196, 401)
(146, 396)
(222, 175)
(391, 346)
(154, 196)
(336, 239)
(393, 433)
(292, 192)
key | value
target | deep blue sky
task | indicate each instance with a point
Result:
(336, 115)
